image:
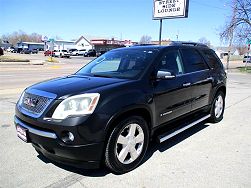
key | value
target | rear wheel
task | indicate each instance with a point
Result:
(127, 145)
(218, 107)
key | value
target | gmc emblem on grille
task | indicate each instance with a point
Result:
(30, 102)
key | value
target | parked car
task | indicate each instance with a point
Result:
(72, 50)
(61, 53)
(34, 51)
(25, 51)
(110, 109)
(48, 53)
(101, 53)
(10, 49)
(90, 53)
(79, 52)
(247, 58)
(16, 50)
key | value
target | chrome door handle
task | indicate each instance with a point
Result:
(186, 84)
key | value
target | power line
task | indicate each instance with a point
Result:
(207, 5)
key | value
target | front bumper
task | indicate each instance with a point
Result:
(50, 145)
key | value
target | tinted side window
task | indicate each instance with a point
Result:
(171, 62)
(212, 59)
(193, 60)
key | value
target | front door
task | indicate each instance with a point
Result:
(172, 97)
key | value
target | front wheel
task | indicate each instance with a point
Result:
(218, 107)
(127, 145)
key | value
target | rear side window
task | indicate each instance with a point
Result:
(193, 61)
(212, 59)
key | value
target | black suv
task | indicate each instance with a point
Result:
(109, 110)
(90, 53)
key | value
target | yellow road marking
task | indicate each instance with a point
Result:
(55, 67)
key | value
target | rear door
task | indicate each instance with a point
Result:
(173, 96)
(200, 79)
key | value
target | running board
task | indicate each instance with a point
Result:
(170, 134)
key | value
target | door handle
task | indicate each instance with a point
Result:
(186, 84)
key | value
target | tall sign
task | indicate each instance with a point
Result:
(169, 9)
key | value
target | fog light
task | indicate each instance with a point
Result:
(67, 137)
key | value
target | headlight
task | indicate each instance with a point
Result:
(77, 105)
(20, 100)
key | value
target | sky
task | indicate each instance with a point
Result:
(121, 19)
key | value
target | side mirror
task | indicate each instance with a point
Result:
(165, 75)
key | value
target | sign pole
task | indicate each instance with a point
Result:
(160, 31)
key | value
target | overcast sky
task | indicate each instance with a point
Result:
(126, 19)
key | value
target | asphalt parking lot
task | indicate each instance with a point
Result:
(207, 155)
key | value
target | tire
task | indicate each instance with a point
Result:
(120, 156)
(218, 107)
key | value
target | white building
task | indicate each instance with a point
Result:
(83, 43)
(60, 45)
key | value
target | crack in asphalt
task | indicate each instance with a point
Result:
(67, 181)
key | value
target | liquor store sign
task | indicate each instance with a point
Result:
(169, 9)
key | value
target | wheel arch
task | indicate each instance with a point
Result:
(220, 88)
(142, 111)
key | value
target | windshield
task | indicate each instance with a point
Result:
(124, 63)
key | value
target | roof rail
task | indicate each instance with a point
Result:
(174, 43)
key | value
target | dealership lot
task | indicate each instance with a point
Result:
(208, 155)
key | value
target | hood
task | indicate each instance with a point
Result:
(74, 84)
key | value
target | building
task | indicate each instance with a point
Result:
(223, 51)
(30, 45)
(83, 43)
(109, 44)
(163, 42)
(59, 45)
(5, 44)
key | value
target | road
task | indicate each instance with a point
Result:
(207, 155)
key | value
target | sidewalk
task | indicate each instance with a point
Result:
(32, 62)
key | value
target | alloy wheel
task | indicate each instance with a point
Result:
(130, 143)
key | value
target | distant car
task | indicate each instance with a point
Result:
(48, 53)
(101, 53)
(247, 58)
(15, 50)
(72, 50)
(1, 51)
(25, 51)
(79, 52)
(90, 53)
(10, 49)
(34, 51)
(61, 53)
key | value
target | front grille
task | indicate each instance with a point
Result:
(34, 104)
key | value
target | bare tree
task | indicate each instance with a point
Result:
(238, 28)
(204, 40)
(242, 49)
(145, 39)
(19, 36)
